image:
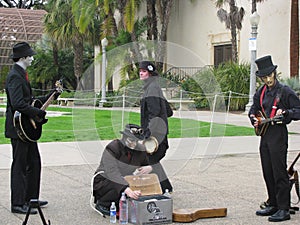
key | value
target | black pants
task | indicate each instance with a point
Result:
(158, 168)
(107, 192)
(273, 153)
(25, 172)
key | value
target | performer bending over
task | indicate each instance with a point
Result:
(121, 157)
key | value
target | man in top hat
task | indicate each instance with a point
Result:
(274, 100)
(26, 164)
(121, 157)
(155, 111)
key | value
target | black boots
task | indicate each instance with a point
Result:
(276, 215)
(280, 215)
(268, 211)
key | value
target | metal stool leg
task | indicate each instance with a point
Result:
(34, 203)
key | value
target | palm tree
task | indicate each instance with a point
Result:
(60, 26)
(130, 27)
(233, 21)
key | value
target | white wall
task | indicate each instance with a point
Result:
(194, 25)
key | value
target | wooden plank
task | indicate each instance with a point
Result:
(190, 215)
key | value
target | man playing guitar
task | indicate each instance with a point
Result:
(26, 165)
(279, 105)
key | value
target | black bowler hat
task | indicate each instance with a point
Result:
(265, 66)
(21, 50)
(133, 131)
(147, 65)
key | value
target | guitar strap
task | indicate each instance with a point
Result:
(274, 107)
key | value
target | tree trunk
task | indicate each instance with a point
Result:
(149, 24)
(233, 8)
(166, 9)
(78, 59)
(294, 39)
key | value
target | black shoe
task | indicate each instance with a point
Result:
(268, 211)
(22, 209)
(104, 210)
(43, 203)
(280, 215)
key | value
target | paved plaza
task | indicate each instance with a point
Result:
(205, 173)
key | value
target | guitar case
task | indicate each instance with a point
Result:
(192, 214)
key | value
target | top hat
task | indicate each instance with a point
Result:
(21, 50)
(147, 65)
(133, 131)
(265, 66)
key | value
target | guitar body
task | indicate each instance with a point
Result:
(261, 129)
(28, 129)
(190, 215)
(264, 123)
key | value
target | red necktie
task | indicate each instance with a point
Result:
(129, 155)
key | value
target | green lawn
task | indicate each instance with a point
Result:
(89, 124)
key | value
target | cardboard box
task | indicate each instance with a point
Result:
(152, 207)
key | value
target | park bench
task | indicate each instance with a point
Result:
(2, 99)
(66, 101)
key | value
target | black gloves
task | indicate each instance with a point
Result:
(41, 114)
(55, 95)
(41, 117)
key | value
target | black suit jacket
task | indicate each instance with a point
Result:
(19, 98)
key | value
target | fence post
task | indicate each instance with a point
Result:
(180, 99)
(123, 109)
(229, 98)
(213, 113)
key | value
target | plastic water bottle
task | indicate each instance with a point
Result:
(113, 213)
(123, 216)
(167, 193)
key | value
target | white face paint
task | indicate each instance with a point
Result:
(269, 80)
(25, 61)
(28, 60)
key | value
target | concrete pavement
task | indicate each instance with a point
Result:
(205, 172)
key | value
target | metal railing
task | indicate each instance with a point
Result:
(182, 73)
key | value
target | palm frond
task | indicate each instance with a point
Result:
(224, 16)
(130, 15)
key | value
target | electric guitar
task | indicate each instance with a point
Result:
(30, 129)
(263, 123)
